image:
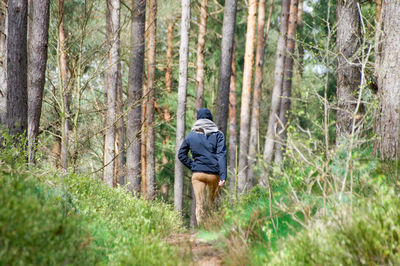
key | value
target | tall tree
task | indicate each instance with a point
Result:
(181, 110)
(17, 93)
(258, 80)
(225, 65)
(232, 126)
(120, 133)
(348, 70)
(151, 62)
(246, 95)
(63, 86)
(135, 93)
(388, 124)
(277, 88)
(3, 61)
(37, 59)
(287, 82)
(200, 55)
(112, 83)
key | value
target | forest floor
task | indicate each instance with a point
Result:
(202, 252)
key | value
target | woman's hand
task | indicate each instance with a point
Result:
(221, 183)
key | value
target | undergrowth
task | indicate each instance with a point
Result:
(49, 219)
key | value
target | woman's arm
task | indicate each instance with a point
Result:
(183, 154)
(221, 156)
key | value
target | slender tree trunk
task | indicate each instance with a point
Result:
(258, 80)
(136, 72)
(63, 91)
(232, 126)
(225, 65)
(348, 71)
(17, 94)
(37, 59)
(378, 35)
(287, 82)
(3, 61)
(150, 145)
(112, 83)
(388, 124)
(246, 96)
(181, 111)
(200, 55)
(120, 133)
(168, 67)
(277, 89)
(300, 47)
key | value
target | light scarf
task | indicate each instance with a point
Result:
(205, 126)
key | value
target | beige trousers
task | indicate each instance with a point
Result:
(200, 182)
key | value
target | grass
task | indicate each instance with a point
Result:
(80, 221)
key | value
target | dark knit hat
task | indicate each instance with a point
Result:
(204, 113)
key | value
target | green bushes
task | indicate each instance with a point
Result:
(79, 221)
(37, 226)
(367, 236)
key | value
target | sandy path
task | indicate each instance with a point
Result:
(202, 253)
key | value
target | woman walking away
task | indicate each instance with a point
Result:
(208, 164)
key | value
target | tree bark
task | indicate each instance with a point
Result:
(232, 126)
(37, 59)
(135, 93)
(168, 67)
(277, 89)
(300, 47)
(246, 96)
(120, 133)
(200, 55)
(348, 70)
(287, 82)
(388, 124)
(112, 83)
(17, 93)
(63, 87)
(151, 167)
(3, 61)
(225, 65)
(258, 80)
(181, 111)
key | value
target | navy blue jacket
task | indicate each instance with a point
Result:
(208, 153)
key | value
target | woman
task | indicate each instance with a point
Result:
(208, 164)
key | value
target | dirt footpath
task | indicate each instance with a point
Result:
(202, 253)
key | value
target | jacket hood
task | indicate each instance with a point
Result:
(204, 113)
(205, 126)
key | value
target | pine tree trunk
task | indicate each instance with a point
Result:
(300, 47)
(112, 83)
(277, 89)
(388, 124)
(63, 87)
(225, 65)
(37, 59)
(3, 61)
(151, 167)
(181, 111)
(232, 127)
(168, 67)
(200, 55)
(258, 80)
(120, 133)
(17, 93)
(348, 70)
(135, 93)
(246, 96)
(287, 82)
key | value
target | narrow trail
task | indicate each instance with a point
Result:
(202, 253)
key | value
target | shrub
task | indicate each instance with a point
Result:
(367, 235)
